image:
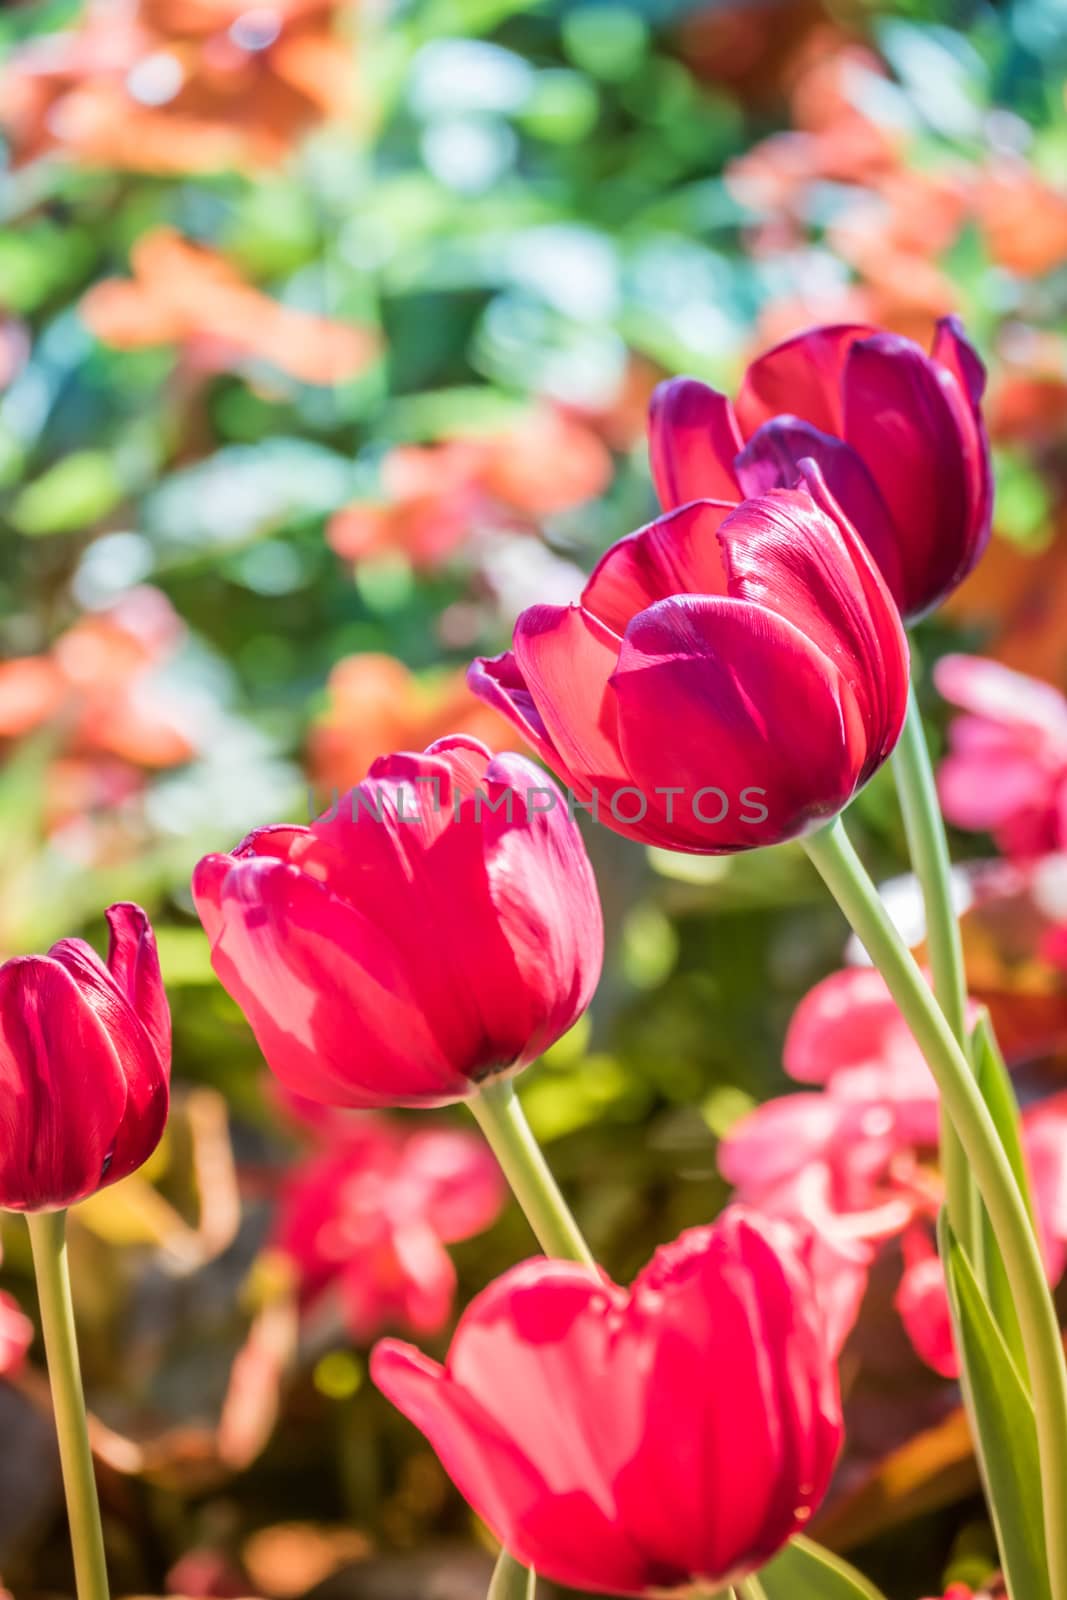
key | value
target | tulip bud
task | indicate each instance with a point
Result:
(669, 1437)
(440, 926)
(897, 434)
(84, 1065)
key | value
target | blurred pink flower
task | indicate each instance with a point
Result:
(856, 1158)
(1006, 770)
(368, 1216)
(16, 1335)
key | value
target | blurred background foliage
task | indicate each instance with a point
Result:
(326, 335)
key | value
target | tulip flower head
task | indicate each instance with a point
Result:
(897, 433)
(84, 1065)
(732, 676)
(438, 927)
(645, 1441)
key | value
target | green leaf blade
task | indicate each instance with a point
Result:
(1007, 1429)
(805, 1571)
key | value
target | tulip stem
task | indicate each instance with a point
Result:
(837, 863)
(48, 1240)
(928, 847)
(500, 1116)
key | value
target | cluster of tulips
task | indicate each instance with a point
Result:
(734, 674)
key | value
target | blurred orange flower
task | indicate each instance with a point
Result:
(1024, 219)
(377, 704)
(833, 138)
(185, 294)
(179, 85)
(436, 496)
(31, 691)
(1015, 601)
(95, 683)
(752, 49)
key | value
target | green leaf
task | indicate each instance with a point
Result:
(1006, 1428)
(805, 1571)
(999, 1096)
(511, 1581)
(73, 494)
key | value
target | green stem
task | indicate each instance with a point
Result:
(500, 1117)
(928, 847)
(49, 1244)
(842, 871)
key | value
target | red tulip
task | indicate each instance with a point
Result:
(84, 1065)
(730, 679)
(897, 433)
(440, 927)
(636, 1442)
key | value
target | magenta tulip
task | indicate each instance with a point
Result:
(84, 1065)
(644, 1441)
(897, 433)
(440, 927)
(731, 678)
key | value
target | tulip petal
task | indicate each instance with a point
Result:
(785, 552)
(566, 658)
(693, 442)
(899, 418)
(460, 1179)
(544, 899)
(1002, 695)
(407, 853)
(498, 681)
(559, 1530)
(62, 1089)
(955, 354)
(676, 554)
(773, 457)
(849, 1018)
(923, 1306)
(327, 994)
(754, 706)
(765, 1148)
(133, 962)
(111, 992)
(728, 1471)
(800, 377)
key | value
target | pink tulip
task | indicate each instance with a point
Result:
(367, 1218)
(730, 679)
(84, 1065)
(636, 1442)
(855, 1159)
(16, 1335)
(440, 927)
(897, 434)
(1006, 770)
